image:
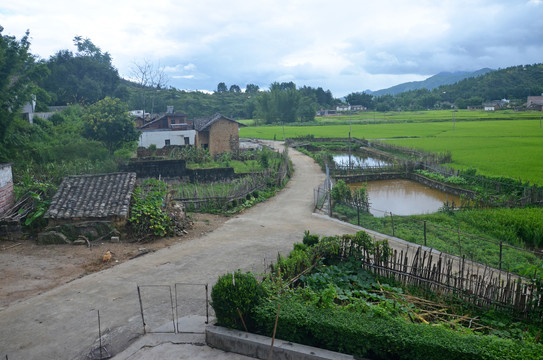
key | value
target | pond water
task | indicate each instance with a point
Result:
(358, 161)
(404, 197)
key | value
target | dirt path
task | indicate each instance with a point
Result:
(61, 323)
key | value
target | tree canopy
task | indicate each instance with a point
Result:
(83, 78)
(18, 76)
(108, 121)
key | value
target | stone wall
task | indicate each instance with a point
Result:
(7, 194)
(165, 151)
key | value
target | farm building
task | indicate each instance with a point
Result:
(535, 102)
(168, 129)
(102, 197)
(217, 133)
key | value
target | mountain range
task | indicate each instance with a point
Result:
(443, 78)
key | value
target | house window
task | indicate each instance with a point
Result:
(187, 141)
(167, 142)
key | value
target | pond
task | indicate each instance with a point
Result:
(404, 197)
(358, 161)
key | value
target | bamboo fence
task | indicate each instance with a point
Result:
(480, 285)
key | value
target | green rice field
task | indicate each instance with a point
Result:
(511, 148)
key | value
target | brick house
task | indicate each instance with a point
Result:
(217, 133)
(7, 194)
(168, 129)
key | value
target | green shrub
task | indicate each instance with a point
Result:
(309, 239)
(378, 336)
(147, 214)
(235, 292)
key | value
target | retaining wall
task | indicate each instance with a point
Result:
(176, 169)
(258, 346)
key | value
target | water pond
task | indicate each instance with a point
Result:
(404, 197)
(358, 161)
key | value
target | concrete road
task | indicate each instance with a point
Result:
(62, 323)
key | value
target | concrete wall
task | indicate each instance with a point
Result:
(159, 137)
(7, 194)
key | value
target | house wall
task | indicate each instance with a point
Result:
(202, 138)
(159, 137)
(534, 100)
(223, 137)
(7, 194)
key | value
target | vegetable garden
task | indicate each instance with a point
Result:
(325, 296)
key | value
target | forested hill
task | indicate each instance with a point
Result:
(443, 78)
(514, 83)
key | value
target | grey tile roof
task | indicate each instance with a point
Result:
(202, 124)
(93, 196)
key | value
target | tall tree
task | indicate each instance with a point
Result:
(251, 89)
(235, 88)
(150, 79)
(85, 77)
(360, 99)
(280, 104)
(222, 88)
(18, 74)
(108, 121)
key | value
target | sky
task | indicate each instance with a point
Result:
(344, 46)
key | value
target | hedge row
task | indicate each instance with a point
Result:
(379, 336)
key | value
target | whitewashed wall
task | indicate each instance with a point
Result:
(159, 137)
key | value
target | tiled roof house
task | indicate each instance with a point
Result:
(217, 133)
(102, 197)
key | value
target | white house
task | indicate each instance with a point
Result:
(343, 108)
(165, 137)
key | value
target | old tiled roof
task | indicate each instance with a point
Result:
(202, 124)
(93, 196)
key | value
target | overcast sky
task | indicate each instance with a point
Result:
(344, 46)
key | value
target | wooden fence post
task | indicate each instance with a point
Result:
(392, 220)
(424, 232)
(501, 254)
(459, 243)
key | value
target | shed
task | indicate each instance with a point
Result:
(217, 133)
(101, 197)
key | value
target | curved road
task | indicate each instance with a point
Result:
(62, 323)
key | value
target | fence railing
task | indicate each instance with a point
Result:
(220, 195)
(478, 284)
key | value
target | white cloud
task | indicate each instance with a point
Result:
(342, 45)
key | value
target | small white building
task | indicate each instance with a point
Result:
(340, 108)
(163, 137)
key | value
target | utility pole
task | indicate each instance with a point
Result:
(350, 128)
